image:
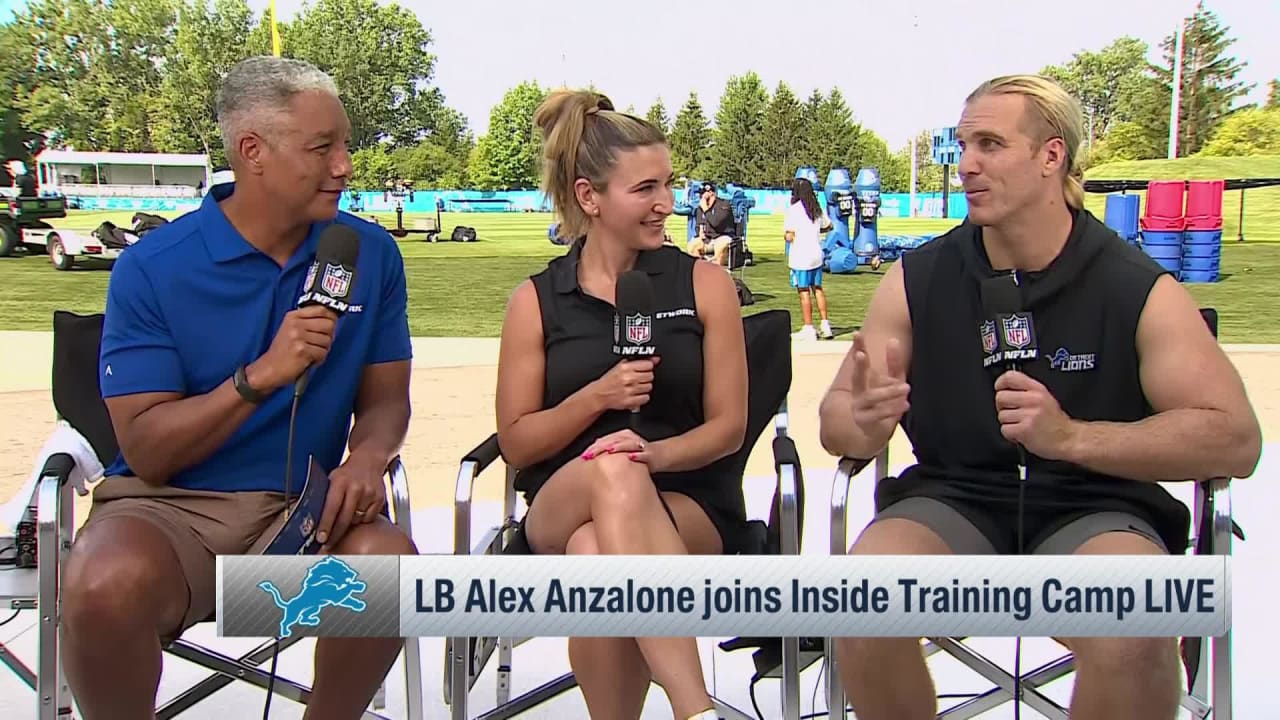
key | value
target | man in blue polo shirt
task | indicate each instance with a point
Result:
(202, 344)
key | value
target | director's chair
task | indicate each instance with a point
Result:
(768, 338)
(78, 401)
(1206, 670)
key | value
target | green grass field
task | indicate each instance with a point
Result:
(460, 289)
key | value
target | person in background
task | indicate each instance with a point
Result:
(802, 230)
(714, 219)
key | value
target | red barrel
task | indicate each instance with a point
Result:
(1204, 204)
(1164, 198)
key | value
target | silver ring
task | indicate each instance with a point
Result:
(361, 513)
(641, 444)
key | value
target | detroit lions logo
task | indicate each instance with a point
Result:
(1063, 361)
(328, 582)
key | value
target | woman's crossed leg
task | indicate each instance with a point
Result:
(609, 505)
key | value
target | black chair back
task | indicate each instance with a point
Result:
(77, 394)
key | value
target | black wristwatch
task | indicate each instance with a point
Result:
(246, 391)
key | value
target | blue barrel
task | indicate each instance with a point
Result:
(1165, 248)
(810, 173)
(1201, 255)
(1122, 215)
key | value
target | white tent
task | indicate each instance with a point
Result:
(128, 174)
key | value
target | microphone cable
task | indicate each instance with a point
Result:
(288, 514)
(1017, 646)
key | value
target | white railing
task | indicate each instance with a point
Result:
(167, 191)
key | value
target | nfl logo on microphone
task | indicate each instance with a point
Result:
(336, 280)
(988, 337)
(1017, 331)
(639, 329)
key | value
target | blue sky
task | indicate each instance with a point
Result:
(903, 66)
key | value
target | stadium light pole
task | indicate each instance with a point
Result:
(1176, 94)
(911, 207)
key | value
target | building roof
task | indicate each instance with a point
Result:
(76, 157)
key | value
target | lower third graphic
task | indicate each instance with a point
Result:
(328, 582)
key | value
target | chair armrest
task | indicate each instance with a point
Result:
(1215, 498)
(786, 462)
(473, 463)
(846, 469)
(398, 480)
(58, 467)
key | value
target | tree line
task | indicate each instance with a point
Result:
(142, 76)
(1127, 99)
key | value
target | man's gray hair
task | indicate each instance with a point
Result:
(258, 87)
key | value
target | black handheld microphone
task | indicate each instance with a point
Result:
(1009, 340)
(633, 322)
(1008, 332)
(332, 277)
(329, 284)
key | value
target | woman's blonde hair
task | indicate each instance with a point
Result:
(1055, 114)
(581, 137)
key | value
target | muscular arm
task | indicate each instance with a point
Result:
(161, 434)
(382, 413)
(887, 318)
(1203, 426)
(528, 434)
(161, 427)
(725, 386)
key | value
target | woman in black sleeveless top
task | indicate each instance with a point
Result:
(564, 401)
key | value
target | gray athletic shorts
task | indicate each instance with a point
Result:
(964, 537)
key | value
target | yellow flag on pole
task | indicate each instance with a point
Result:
(275, 31)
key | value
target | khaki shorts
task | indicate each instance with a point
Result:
(200, 524)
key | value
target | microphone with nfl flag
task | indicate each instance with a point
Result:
(633, 322)
(331, 277)
(1008, 332)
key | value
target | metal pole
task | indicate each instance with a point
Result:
(1240, 229)
(911, 210)
(946, 189)
(1176, 104)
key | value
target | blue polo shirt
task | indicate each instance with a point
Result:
(194, 300)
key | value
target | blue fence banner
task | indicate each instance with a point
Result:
(767, 202)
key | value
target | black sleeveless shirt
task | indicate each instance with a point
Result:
(578, 340)
(1086, 307)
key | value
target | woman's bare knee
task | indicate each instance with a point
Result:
(621, 485)
(899, 536)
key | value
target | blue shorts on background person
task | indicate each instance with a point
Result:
(806, 278)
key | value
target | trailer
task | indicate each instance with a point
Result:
(23, 224)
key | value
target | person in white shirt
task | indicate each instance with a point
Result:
(802, 229)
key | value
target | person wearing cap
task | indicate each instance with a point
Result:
(714, 219)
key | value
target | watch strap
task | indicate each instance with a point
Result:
(241, 380)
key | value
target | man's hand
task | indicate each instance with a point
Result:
(1030, 416)
(879, 396)
(302, 341)
(356, 495)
